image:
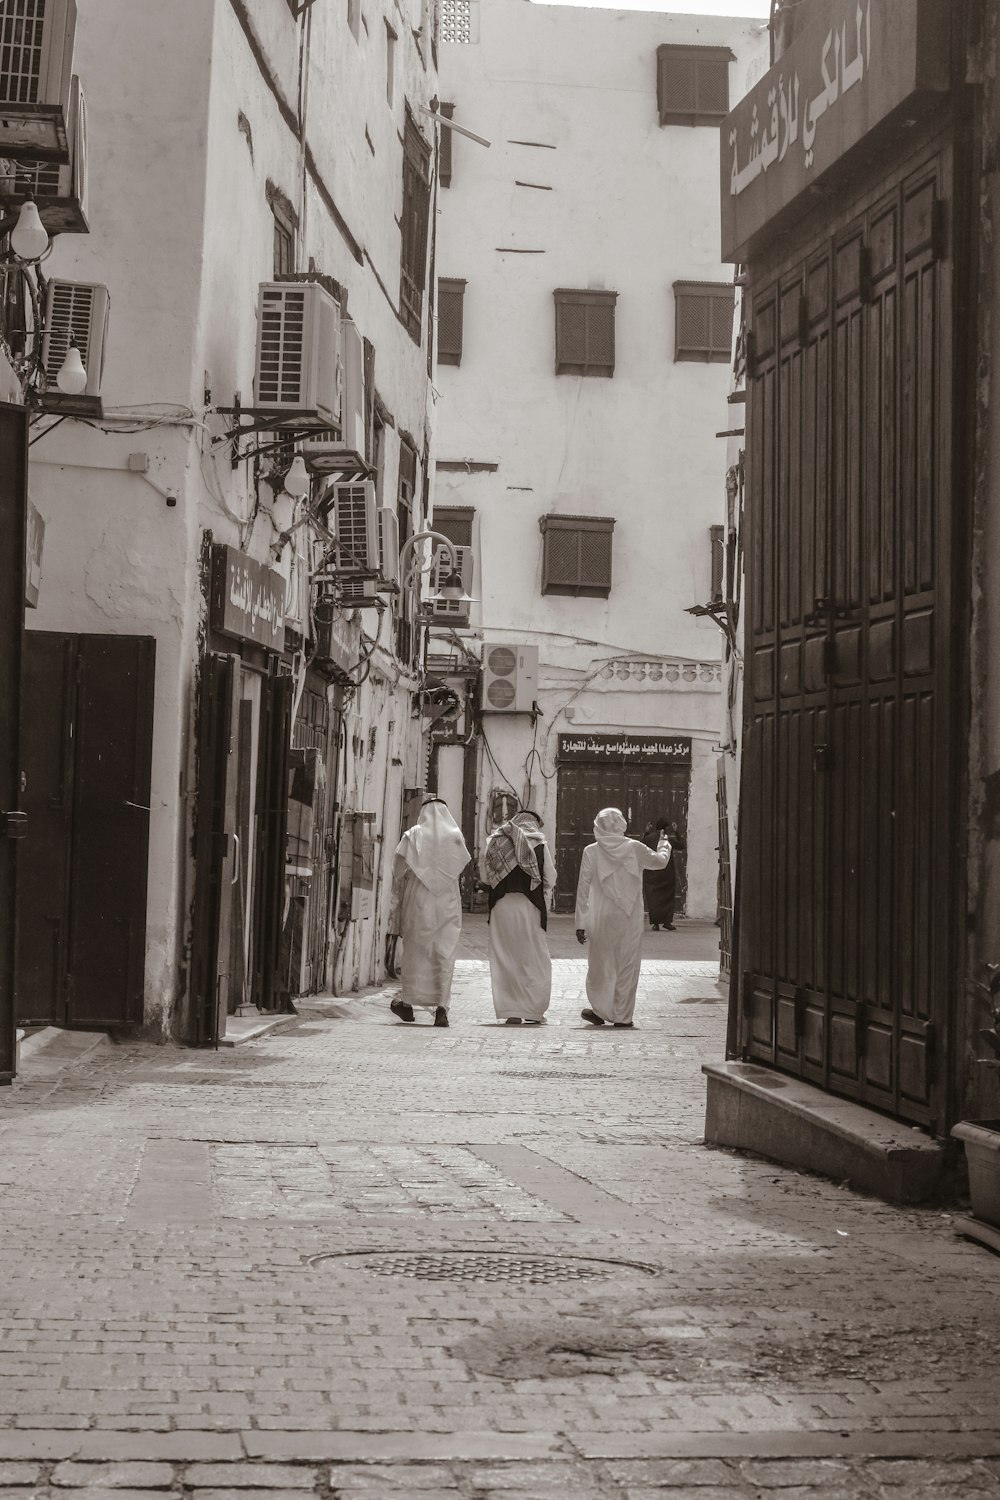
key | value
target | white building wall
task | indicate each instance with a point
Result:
(185, 132)
(606, 198)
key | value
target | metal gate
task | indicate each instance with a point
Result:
(847, 800)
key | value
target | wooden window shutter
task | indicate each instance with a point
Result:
(445, 137)
(454, 522)
(451, 309)
(717, 535)
(703, 321)
(692, 84)
(585, 332)
(413, 228)
(577, 555)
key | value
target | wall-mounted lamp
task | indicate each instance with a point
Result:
(72, 374)
(297, 482)
(29, 239)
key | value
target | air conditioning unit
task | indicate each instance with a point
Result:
(388, 547)
(61, 192)
(79, 309)
(510, 679)
(36, 51)
(326, 450)
(356, 593)
(355, 526)
(451, 609)
(298, 352)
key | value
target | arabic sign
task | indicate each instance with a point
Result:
(248, 599)
(33, 568)
(628, 749)
(864, 66)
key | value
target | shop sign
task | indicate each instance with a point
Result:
(624, 749)
(33, 561)
(248, 599)
(863, 69)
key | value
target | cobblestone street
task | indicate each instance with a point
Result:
(362, 1258)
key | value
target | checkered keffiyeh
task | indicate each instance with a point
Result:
(512, 845)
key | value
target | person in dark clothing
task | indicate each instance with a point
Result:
(660, 886)
(518, 868)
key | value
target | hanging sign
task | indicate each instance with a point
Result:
(627, 749)
(248, 599)
(864, 69)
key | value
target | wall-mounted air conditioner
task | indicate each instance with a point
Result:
(36, 54)
(356, 593)
(298, 352)
(510, 679)
(325, 451)
(61, 191)
(451, 609)
(355, 526)
(388, 547)
(77, 309)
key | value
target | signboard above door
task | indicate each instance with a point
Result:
(863, 71)
(624, 749)
(248, 599)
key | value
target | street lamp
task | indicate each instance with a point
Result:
(451, 589)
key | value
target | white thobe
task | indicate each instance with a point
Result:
(430, 925)
(614, 936)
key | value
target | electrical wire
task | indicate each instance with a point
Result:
(496, 766)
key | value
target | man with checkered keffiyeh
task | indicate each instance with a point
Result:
(518, 868)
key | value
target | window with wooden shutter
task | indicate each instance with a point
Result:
(717, 535)
(413, 228)
(445, 139)
(451, 305)
(585, 332)
(455, 522)
(703, 321)
(577, 555)
(692, 84)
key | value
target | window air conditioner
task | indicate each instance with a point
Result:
(298, 352)
(325, 450)
(451, 609)
(356, 593)
(61, 192)
(79, 309)
(36, 57)
(510, 679)
(388, 547)
(355, 526)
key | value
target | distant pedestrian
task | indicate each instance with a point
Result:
(660, 886)
(518, 869)
(427, 909)
(609, 909)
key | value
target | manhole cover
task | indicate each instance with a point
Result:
(552, 1073)
(483, 1266)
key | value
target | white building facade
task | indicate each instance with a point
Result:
(584, 352)
(261, 710)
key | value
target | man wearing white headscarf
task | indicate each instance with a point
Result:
(609, 909)
(427, 909)
(518, 868)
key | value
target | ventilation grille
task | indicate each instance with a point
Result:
(22, 28)
(71, 310)
(282, 344)
(354, 521)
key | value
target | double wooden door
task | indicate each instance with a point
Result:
(847, 795)
(644, 793)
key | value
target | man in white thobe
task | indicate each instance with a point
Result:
(609, 911)
(427, 909)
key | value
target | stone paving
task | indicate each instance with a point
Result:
(363, 1258)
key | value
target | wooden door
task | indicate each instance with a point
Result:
(13, 510)
(217, 854)
(847, 791)
(88, 728)
(643, 792)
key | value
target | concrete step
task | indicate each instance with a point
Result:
(50, 1050)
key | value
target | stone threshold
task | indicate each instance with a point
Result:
(753, 1108)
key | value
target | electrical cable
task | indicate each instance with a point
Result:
(496, 766)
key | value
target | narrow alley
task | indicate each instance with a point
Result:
(361, 1258)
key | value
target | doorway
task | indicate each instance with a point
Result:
(87, 747)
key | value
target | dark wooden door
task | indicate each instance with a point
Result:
(13, 508)
(88, 732)
(270, 984)
(847, 791)
(217, 849)
(643, 793)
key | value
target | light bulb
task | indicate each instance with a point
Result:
(297, 479)
(29, 238)
(72, 376)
